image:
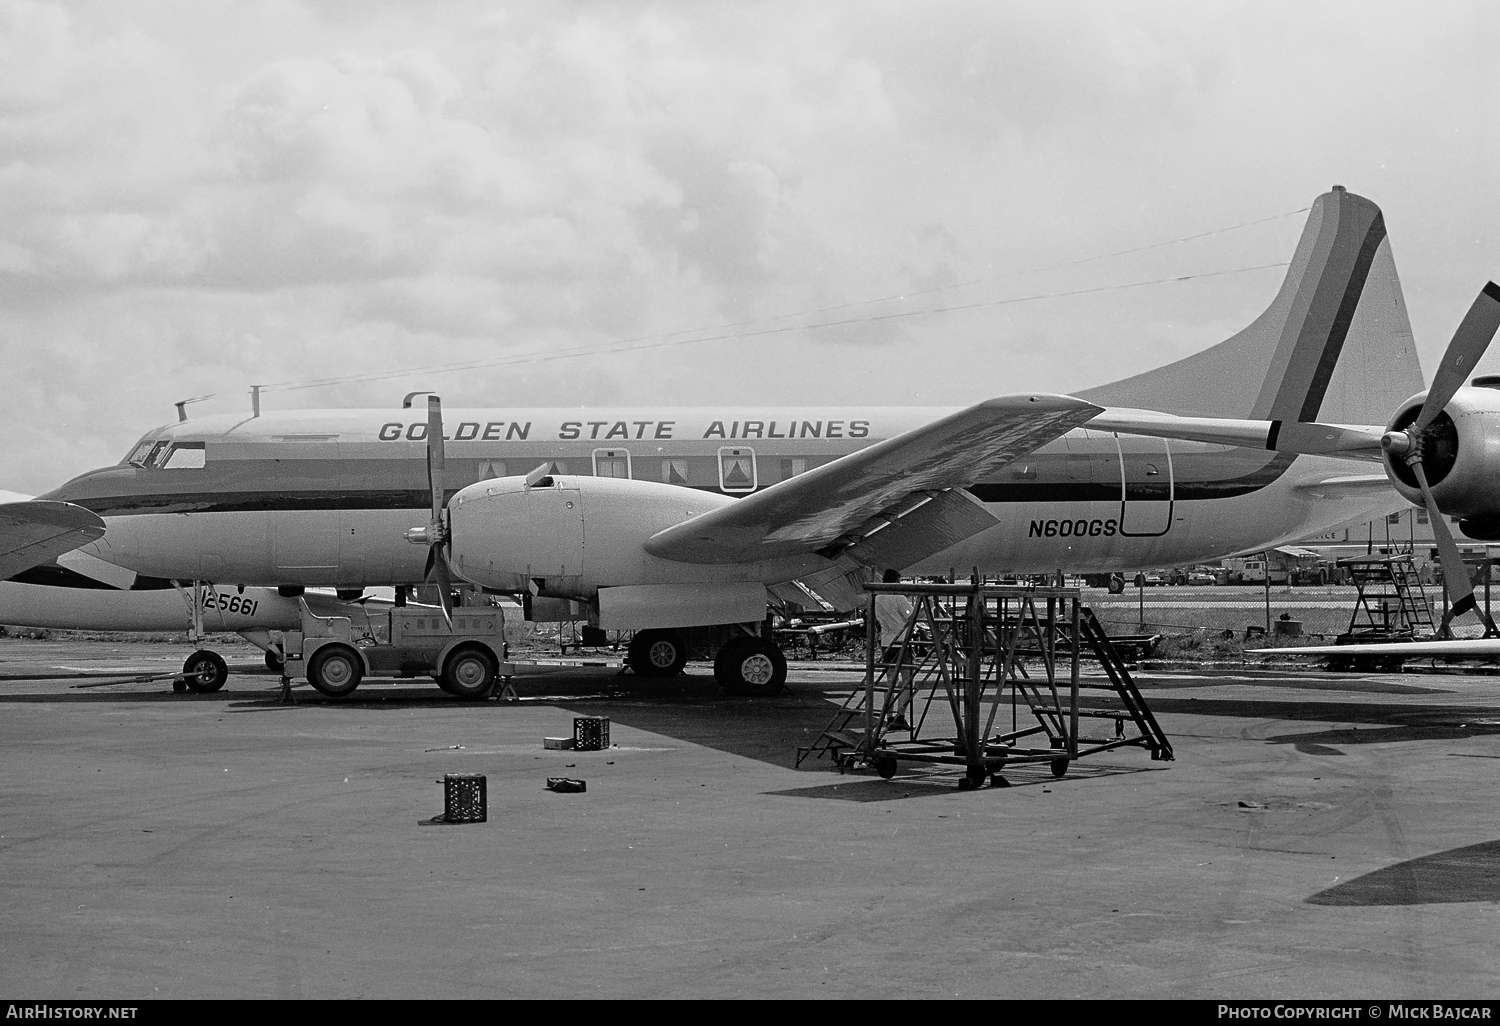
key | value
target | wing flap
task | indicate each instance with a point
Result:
(34, 532)
(818, 508)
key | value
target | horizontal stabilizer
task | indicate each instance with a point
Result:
(1346, 487)
(1347, 441)
(35, 532)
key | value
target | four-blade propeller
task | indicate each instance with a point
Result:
(1413, 443)
(435, 534)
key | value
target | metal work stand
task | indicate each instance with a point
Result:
(968, 644)
(1390, 603)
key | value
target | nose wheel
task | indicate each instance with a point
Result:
(204, 672)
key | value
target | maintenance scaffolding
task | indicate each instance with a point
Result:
(970, 644)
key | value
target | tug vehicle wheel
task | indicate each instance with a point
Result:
(469, 672)
(205, 671)
(657, 654)
(335, 670)
(750, 666)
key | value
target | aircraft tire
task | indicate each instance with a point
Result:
(335, 670)
(657, 653)
(750, 666)
(1116, 584)
(205, 671)
(273, 662)
(469, 672)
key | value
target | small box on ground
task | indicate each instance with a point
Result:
(557, 744)
(590, 733)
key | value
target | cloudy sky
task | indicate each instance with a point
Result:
(672, 203)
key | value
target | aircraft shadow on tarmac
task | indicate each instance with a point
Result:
(689, 707)
(1395, 723)
(1471, 873)
(931, 784)
(1318, 743)
(1263, 679)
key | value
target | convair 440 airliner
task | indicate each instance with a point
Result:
(659, 520)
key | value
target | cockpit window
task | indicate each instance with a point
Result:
(138, 455)
(185, 456)
(168, 455)
(157, 454)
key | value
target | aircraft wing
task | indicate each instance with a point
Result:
(33, 532)
(1457, 648)
(1346, 441)
(907, 489)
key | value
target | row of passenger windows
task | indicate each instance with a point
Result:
(737, 466)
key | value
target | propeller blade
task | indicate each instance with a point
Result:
(436, 464)
(444, 580)
(1455, 575)
(1469, 343)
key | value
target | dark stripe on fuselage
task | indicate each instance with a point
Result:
(347, 499)
(1098, 491)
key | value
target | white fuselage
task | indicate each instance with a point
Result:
(325, 497)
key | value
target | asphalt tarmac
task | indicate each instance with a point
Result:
(1317, 836)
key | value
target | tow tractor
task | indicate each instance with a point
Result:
(468, 660)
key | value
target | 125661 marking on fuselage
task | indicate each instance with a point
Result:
(1079, 528)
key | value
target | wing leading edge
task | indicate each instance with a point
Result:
(1457, 648)
(846, 504)
(33, 532)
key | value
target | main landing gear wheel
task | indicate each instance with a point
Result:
(657, 654)
(335, 670)
(273, 662)
(469, 673)
(205, 671)
(750, 666)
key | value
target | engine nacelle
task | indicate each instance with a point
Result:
(570, 537)
(558, 530)
(1462, 458)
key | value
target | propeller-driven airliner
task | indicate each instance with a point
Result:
(664, 521)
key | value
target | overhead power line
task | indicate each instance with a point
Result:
(659, 342)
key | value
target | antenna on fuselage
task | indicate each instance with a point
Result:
(181, 412)
(255, 400)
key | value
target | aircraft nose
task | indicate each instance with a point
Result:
(95, 484)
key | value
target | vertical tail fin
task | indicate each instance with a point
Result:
(1334, 345)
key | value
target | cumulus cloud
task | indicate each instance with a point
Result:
(195, 197)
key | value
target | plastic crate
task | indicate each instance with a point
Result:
(590, 733)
